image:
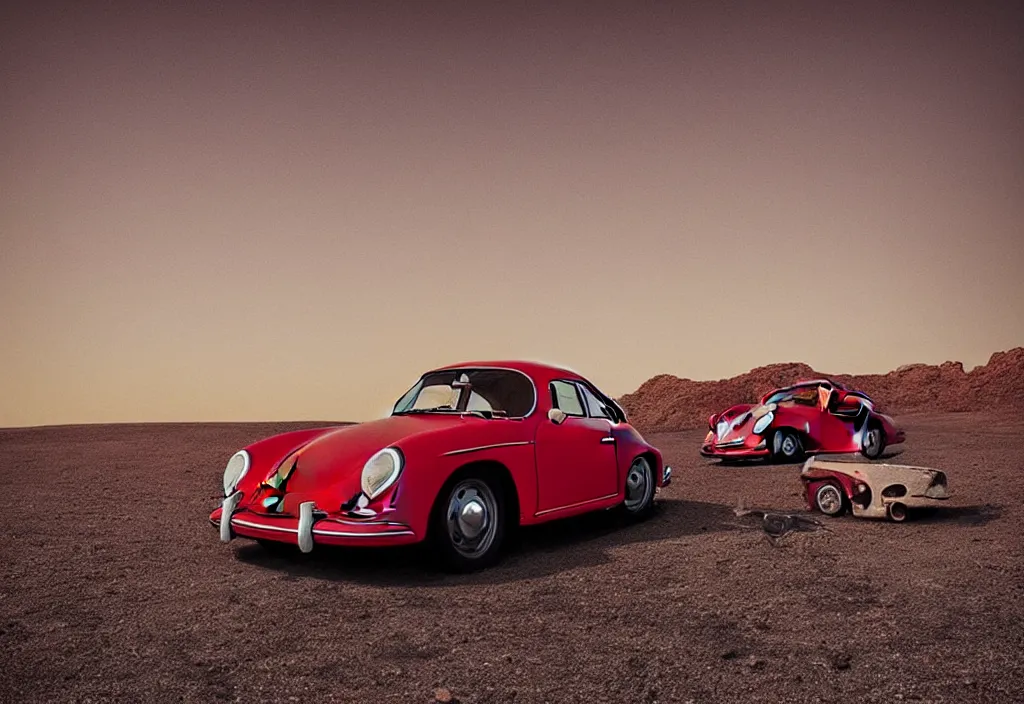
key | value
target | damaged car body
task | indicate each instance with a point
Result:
(810, 417)
(469, 452)
(871, 490)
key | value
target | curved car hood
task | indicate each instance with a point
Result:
(330, 465)
(734, 420)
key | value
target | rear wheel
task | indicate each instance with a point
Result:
(468, 524)
(873, 443)
(640, 485)
(829, 499)
(787, 445)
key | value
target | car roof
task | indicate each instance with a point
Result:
(809, 382)
(532, 369)
(803, 384)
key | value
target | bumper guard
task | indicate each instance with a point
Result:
(228, 508)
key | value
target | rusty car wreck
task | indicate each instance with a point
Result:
(871, 490)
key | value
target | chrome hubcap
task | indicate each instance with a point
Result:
(472, 517)
(829, 499)
(871, 441)
(789, 445)
(638, 485)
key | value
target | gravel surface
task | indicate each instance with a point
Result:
(115, 586)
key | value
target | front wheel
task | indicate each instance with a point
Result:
(640, 485)
(897, 512)
(829, 499)
(469, 524)
(787, 446)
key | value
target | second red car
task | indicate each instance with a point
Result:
(810, 417)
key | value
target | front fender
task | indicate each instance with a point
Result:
(425, 474)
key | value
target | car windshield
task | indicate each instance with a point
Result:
(803, 395)
(486, 392)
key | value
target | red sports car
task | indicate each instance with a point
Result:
(811, 417)
(468, 452)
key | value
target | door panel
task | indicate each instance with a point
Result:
(832, 432)
(576, 462)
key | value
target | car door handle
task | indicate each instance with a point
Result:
(608, 440)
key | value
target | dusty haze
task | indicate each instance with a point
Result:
(290, 211)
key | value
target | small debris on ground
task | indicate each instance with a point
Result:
(841, 661)
(443, 696)
(755, 663)
(778, 525)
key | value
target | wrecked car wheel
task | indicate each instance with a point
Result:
(897, 512)
(640, 485)
(786, 445)
(873, 443)
(829, 499)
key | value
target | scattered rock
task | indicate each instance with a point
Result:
(841, 661)
(443, 696)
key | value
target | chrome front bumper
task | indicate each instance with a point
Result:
(666, 476)
(310, 525)
(305, 530)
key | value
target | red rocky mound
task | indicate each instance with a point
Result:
(668, 403)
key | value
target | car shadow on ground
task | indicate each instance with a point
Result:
(961, 515)
(774, 462)
(533, 551)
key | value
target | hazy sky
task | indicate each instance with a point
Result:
(290, 210)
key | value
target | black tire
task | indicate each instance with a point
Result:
(872, 445)
(470, 501)
(829, 499)
(638, 501)
(787, 445)
(897, 512)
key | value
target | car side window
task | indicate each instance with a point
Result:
(565, 398)
(436, 395)
(595, 406)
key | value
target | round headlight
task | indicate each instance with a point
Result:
(763, 422)
(238, 465)
(380, 472)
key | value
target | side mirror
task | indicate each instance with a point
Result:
(712, 420)
(557, 416)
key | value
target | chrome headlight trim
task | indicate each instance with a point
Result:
(241, 462)
(373, 486)
(763, 422)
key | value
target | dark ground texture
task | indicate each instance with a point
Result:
(115, 586)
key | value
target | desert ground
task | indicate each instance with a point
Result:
(115, 586)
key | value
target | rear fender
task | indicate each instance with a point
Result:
(630, 445)
(817, 477)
